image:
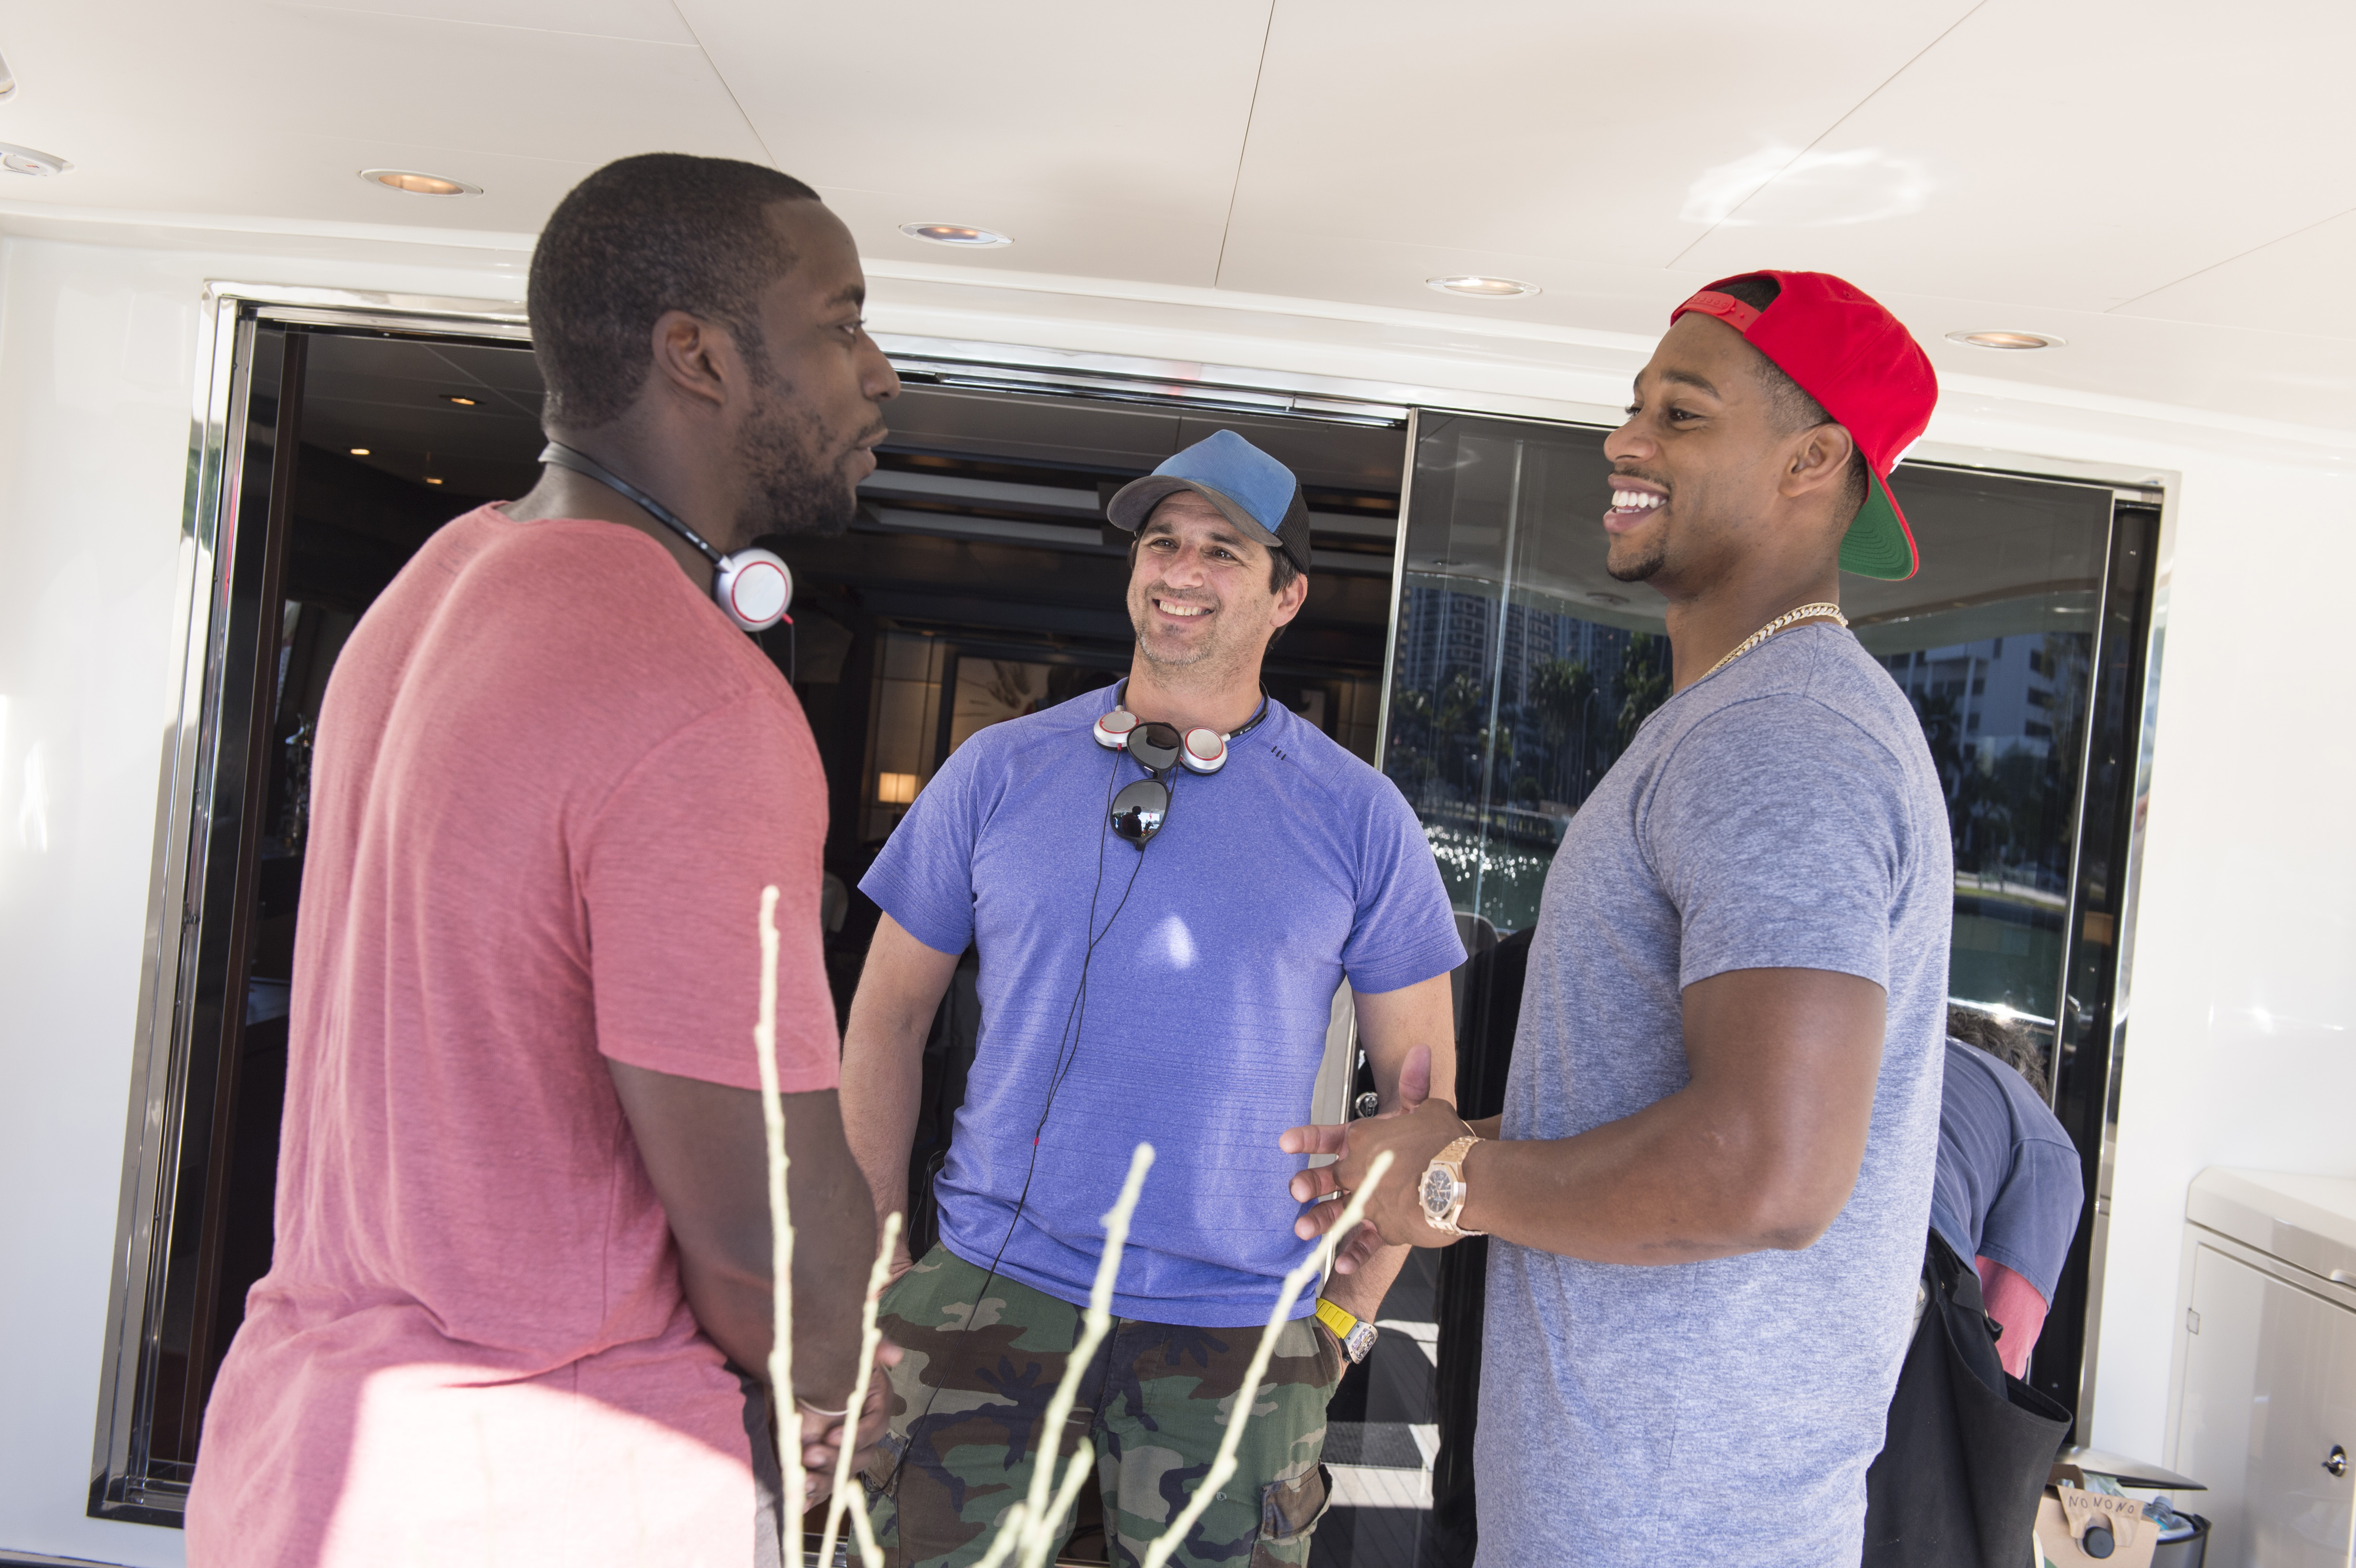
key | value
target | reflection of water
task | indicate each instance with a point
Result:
(1511, 875)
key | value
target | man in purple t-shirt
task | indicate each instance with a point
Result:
(1162, 926)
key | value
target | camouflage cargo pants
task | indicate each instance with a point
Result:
(969, 1398)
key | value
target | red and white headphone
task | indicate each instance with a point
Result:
(754, 587)
(1199, 750)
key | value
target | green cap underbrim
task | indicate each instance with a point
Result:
(1878, 543)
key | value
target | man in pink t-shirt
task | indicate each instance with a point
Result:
(522, 1248)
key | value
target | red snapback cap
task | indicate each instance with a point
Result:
(1857, 360)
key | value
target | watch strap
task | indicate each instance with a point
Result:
(1355, 1335)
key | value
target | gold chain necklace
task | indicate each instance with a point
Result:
(1805, 613)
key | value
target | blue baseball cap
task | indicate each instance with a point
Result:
(1251, 490)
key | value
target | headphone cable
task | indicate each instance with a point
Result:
(1075, 1017)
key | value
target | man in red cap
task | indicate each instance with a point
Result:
(1709, 1186)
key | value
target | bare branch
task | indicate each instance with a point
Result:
(1038, 1529)
(1223, 1465)
(781, 1233)
(870, 1339)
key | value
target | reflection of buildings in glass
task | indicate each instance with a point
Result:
(1440, 633)
(1444, 633)
(2005, 718)
(2004, 690)
(1456, 651)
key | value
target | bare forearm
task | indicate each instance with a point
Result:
(1360, 1292)
(884, 1057)
(882, 1079)
(834, 1243)
(1408, 1038)
(1677, 1183)
(1759, 1150)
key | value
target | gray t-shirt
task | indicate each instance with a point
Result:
(1780, 813)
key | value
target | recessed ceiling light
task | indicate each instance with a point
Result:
(1481, 288)
(963, 234)
(417, 183)
(359, 452)
(460, 399)
(30, 161)
(433, 482)
(2008, 340)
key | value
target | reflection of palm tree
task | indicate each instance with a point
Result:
(1411, 763)
(1563, 692)
(1557, 689)
(1463, 696)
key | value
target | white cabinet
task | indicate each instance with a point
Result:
(2265, 1394)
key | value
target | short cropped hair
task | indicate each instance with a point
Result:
(644, 235)
(1795, 410)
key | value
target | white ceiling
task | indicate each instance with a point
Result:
(2169, 191)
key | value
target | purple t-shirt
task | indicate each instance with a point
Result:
(1220, 949)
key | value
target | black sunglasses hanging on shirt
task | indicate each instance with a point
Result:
(1141, 808)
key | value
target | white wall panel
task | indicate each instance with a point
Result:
(2076, 155)
(2295, 283)
(1566, 132)
(251, 108)
(97, 365)
(1103, 138)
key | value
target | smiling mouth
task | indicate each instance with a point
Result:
(1181, 612)
(1630, 507)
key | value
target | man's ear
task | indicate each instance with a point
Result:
(693, 358)
(1818, 459)
(1288, 602)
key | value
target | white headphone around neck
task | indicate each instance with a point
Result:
(1199, 750)
(752, 587)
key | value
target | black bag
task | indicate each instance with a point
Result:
(1968, 1446)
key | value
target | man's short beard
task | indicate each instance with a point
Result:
(791, 492)
(1212, 654)
(1639, 570)
(1140, 624)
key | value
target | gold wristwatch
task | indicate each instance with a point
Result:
(1443, 1191)
(1356, 1335)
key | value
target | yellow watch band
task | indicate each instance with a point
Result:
(1336, 1318)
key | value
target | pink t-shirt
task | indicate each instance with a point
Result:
(549, 784)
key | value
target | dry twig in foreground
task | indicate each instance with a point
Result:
(786, 1412)
(1223, 1465)
(871, 1339)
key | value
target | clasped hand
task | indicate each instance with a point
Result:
(823, 1434)
(1414, 1131)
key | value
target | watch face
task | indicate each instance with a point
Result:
(1439, 1188)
